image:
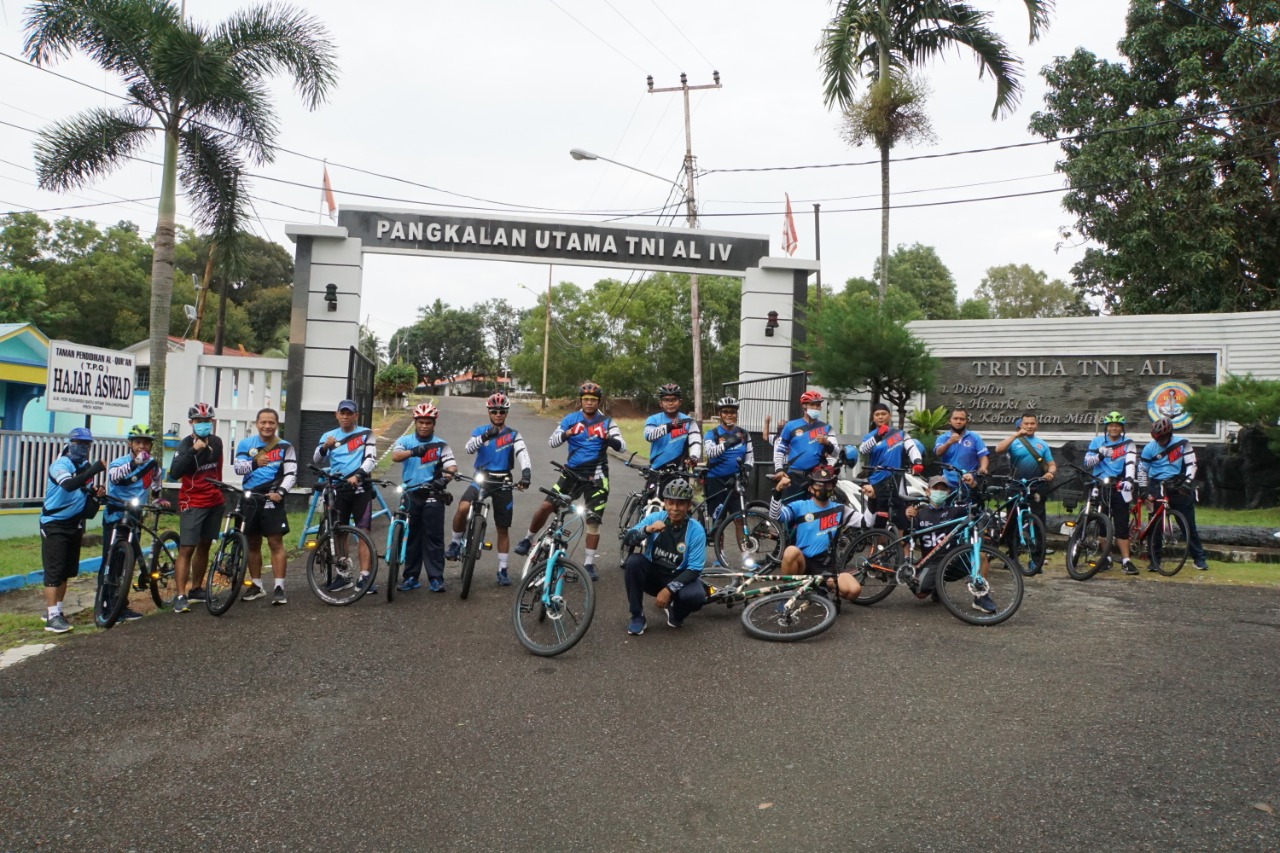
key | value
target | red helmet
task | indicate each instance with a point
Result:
(1162, 428)
(497, 401)
(589, 389)
(810, 397)
(425, 410)
(199, 410)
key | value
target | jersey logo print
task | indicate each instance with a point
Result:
(829, 519)
(817, 433)
(1175, 454)
(894, 440)
(505, 439)
(1117, 451)
(596, 430)
(353, 444)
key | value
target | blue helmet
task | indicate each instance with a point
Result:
(80, 434)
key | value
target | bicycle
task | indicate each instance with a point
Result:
(556, 600)
(115, 575)
(786, 609)
(311, 528)
(398, 532)
(225, 577)
(473, 540)
(1017, 528)
(1165, 535)
(1091, 535)
(758, 540)
(637, 505)
(328, 566)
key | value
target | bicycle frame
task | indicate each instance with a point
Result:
(312, 528)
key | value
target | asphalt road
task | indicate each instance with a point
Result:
(1108, 715)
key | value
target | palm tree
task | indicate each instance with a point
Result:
(204, 88)
(883, 41)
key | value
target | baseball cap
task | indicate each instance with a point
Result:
(939, 481)
(348, 404)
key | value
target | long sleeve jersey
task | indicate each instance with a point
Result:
(1116, 459)
(803, 444)
(886, 450)
(266, 469)
(356, 451)
(680, 550)
(194, 469)
(500, 453)
(672, 439)
(814, 526)
(128, 479)
(1157, 464)
(589, 439)
(725, 449)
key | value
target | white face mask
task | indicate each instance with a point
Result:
(814, 414)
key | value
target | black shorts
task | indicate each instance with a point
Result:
(595, 494)
(349, 504)
(501, 499)
(262, 520)
(824, 562)
(60, 552)
(1118, 510)
(199, 525)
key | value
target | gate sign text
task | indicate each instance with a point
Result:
(89, 381)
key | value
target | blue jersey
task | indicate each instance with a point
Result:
(886, 451)
(127, 480)
(802, 445)
(588, 439)
(266, 470)
(1157, 463)
(430, 459)
(814, 527)
(674, 549)
(726, 449)
(500, 454)
(355, 451)
(1023, 462)
(1113, 459)
(62, 506)
(964, 454)
(672, 439)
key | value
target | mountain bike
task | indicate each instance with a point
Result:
(782, 608)
(156, 569)
(398, 531)
(329, 568)
(1165, 535)
(225, 579)
(746, 537)
(556, 600)
(1091, 535)
(473, 541)
(1017, 529)
(637, 505)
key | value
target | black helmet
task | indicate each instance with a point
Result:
(589, 389)
(677, 490)
(671, 389)
(726, 403)
(823, 474)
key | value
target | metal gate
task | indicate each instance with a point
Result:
(774, 397)
(360, 376)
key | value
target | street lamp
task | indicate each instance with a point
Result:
(695, 314)
(546, 336)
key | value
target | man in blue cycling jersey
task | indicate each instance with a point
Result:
(499, 450)
(1029, 458)
(427, 461)
(802, 445)
(728, 451)
(673, 436)
(670, 566)
(1114, 455)
(1169, 467)
(69, 501)
(133, 476)
(269, 467)
(350, 452)
(813, 525)
(590, 435)
(888, 448)
(962, 449)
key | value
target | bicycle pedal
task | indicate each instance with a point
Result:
(488, 546)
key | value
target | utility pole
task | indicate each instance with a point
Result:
(691, 208)
(546, 341)
(817, 248)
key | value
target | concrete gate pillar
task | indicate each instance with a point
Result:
(782, 285)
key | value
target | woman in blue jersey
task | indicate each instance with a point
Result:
(1114, 455)
(813, 524)
(269, 466)
(670, 566)
(427, 461)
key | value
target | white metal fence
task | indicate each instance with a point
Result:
(25, 458)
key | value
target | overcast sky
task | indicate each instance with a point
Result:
(486, 98)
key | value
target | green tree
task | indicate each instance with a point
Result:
(883, 41)
(975, 309)
(269, 314)
(22, 298)
(393, 380)
(1016, 290)
(917, 271)
(444, 343)
(371, 347)
(206, 90)
(501, 323)
(1170, 155)
(1243, 400)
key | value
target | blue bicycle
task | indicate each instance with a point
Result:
(556, 600)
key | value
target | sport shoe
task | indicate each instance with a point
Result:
(57, 624)
(339, 583)
(523, 546)
(197, 594)
(503, 578)
(372, 590)
(1204, 567)
(1033, 569)
(1104, 565)
(984, 604)
(253, 592)
(278, 596)
(454, 551)
(435, 585)
(637, 625)
(130, 615)
(409, 584)
(591, 571)
(1151, 567)
(672, 621)
(1129, 568)
(180, 604)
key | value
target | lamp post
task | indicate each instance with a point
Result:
(546, 337)
(691, 219)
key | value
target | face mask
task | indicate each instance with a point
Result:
(203, 430)
(77, 453)
(814, 414)
(822, 493)
(938, 498)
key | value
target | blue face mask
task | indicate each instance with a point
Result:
(202, 430)
(78, 452)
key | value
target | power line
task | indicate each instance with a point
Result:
(1266, 47)
(681, 32)
(674, 64)
(597, 35)
(67, 207)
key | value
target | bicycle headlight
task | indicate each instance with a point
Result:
(135, 503)
(400, 489)
(580, 510)
(1107, 481)
(479, 477)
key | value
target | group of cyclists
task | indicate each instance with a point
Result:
(670, 544)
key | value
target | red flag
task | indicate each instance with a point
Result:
(326, 197)
(790, 242)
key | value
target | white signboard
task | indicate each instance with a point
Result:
(89, 381)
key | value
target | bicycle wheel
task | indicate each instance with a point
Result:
(113, 584)
(226, 572)
(164, 560)
(872, 564)
(553, 624)
(1167, 544)
(394, 552)
(1088, 545)
(475, 541)
(749, 540)
(785, 617)
(338, 583)
(632, 512)
(1029, 544)
(960, 591)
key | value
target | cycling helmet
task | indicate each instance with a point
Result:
(1113, 418)
(79, 434)
(726, 403)
(199, 410)
(677, 490)
(671, 389)
(425, 410)
(810, 397)
(1162, 428)
(498, 401)
(140, 431)
(589, 389)
(822, 474)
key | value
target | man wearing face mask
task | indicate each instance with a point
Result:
(68, 502)
(925, 516)
(802, 445)
(813, 526)
(200, 503)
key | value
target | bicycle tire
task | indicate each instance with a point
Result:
(876, 585)
(226, 573)
(163, 568)
(475, 541)
(544, 633)
(114, 580)
(769, 618)
(1029, 542)
(393, 558)
(1172, 547)
(749, 539)
(1004, 585)
(1085, 554)
(321, 572)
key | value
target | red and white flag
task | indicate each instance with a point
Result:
(326, 196)
(790, 242)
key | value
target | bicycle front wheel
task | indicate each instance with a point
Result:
(786, 617)
(749, 540)
(334, 578)
(164, 562)
(1029, 544)
(475, 541)
(113, 585)
(1167, 544)
(552, 611)
(395, 554)
(1088, 545)
(872, 562)
(226, 572)
(991, 597)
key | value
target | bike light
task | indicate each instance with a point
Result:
(400, 489)
(580, 510)
(311, 545)
(479, 478)
(135, 502)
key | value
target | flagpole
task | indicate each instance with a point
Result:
(320, 212)
(817, 249)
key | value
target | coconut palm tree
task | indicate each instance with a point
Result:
(884, 41)
(203, 88)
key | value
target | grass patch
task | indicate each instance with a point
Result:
(20, 555)
(20, 629)
(1268, 518)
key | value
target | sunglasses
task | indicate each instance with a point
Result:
(589, 399)
(497, 411)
